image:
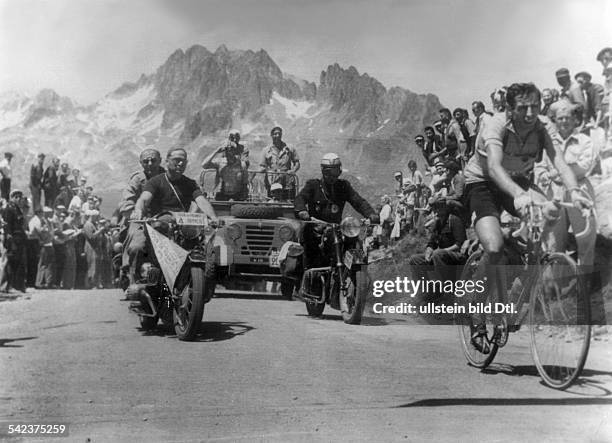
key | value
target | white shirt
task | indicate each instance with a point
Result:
(5, 169)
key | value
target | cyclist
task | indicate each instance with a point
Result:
(500, 174)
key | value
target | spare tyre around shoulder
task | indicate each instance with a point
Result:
(254, 211)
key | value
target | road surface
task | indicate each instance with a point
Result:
(263, 371)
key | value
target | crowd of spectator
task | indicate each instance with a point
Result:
(578, 110)
(56, 238)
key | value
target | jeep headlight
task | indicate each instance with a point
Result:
(234, 231)
(286, 233)
(350, 227)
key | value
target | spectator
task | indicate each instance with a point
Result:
(74, 180)
(547, 100)
(42, 228)
(578, 153)
(50, 183)
(569, 90)
(498, 99)
(463, 131)
(64, 175)
(92, 246)
(480, 115)
(37, 172)
(399, 178)
(76, 203)
(605, 57)
(454, 181)
(15, 241)
(64, 198)
(593, 96)
(420, 142)
(386, 220)
(69, 233)
(416, 179)
(6, 173)
(449, 141)
(433, 146)
(444, 247)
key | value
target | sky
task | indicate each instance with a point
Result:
(459, 50)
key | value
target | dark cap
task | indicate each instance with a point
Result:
(562, 72)
(584, 74)
(601, 53)
(8, 154)
(419, 138)
(453, 165)
(41, 155)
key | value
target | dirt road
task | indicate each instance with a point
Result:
(263, 371)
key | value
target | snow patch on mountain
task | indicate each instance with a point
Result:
(121, 111)
(294, 109)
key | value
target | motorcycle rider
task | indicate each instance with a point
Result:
(150, 160)
(169, 191)
(324, 199)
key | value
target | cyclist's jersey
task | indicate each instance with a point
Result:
(519, 155)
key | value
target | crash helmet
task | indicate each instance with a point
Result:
(331, 160)
(331, 164)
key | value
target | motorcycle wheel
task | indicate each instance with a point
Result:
(315, 309)
(188, 316)
(352, 300)
(287, 289)
(148, 323)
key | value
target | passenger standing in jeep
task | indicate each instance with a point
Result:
(280, 158)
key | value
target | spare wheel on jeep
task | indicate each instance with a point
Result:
(255, 211)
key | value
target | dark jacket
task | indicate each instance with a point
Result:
(447, 233)
(328, 204)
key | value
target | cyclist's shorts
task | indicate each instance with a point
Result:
(485, 199)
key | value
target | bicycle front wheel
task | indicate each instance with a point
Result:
(559, 320)
(465, 323)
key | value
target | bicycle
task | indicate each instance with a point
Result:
(558, 310)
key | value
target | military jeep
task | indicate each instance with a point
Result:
(253, 228)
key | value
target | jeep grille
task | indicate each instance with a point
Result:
(259, 240)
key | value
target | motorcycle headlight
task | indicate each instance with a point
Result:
(234, 232)
(286, 233)
(350, 227)
(190, 232)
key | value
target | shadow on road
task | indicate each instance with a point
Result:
(251, 296)
(531, 370)
(5, 342)
(438, 402)
(210, 331)
(220, 331)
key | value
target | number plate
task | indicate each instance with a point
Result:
(348, 259)
(274, 260)
(189, 219)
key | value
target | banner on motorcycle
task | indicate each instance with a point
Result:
(171, 257)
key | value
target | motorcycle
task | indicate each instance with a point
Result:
(344, 283)
(180, 278)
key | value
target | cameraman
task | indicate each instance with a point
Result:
(233, 174)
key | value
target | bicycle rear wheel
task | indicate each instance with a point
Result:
(559, 317)
(465, 324)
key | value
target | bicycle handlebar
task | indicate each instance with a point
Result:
(586, 213)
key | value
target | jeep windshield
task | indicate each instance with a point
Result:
(239, 185)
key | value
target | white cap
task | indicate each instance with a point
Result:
(331, 159)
